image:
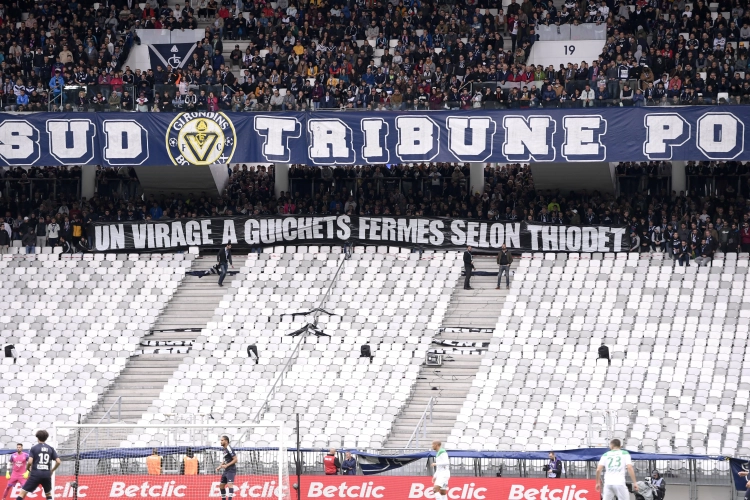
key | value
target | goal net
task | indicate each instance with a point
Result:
(171, 462)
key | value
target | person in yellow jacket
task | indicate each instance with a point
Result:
(190, 465)
(77, 231)
(153, 463)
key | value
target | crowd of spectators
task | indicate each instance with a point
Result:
(714, 214)
(304, 54)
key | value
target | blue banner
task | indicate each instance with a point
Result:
(338, 138)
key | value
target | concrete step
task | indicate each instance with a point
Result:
(129, 403)
(201, 289)
(442, 400)
(136, 383)
(186, 315)
(449, 384)
(173, 336)
(125, 416)
(461, 369)
(126, 393)
(439, 412)
(150, 359)
(144, 377)
(436, 426)
(155, 371)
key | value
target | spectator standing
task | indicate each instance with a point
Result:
(349, 466)
(53, 232)
(190, 465)
(66, 230)
(41, 232)
(225, 259)
(745, 237)
(504, 260)
(553, 467)
(28, 240)
(676, 243)
(731, 244)
(331, 463)
(153, 463)
(5, 233)
(468, 268)
(77, 231)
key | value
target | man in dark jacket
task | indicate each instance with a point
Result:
(468, 268)
(553, 467)
(41, 232)
(28, 240)
(706, 253)
(65, 246)
(504, 260)
(224, 258)
(349, 467)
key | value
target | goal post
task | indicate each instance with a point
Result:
(103, 461)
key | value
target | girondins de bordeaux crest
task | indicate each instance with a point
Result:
(201, 139)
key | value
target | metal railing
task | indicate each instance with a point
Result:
(607, 429)
(108, 416)
(381, 186)
(295, 352)
(13, 187)
(421, 426)
(676, 472)
(68, 99)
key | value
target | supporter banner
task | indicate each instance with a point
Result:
(316, 487)
(172, 54)
(428, 233)
(170, 48)
(327, 138)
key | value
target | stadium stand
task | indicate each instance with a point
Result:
(675, 336)
(430, 55)
(133, 332)
(432, 190)
(81, 318)
(408, 298)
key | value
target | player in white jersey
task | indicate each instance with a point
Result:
(616, 462)
(442, 471)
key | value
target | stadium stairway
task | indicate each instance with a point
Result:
(467, 328)
(141, 381)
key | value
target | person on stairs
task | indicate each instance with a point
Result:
(225, 259)
(468, 268)
(504, 260)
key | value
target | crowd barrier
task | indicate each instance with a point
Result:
(71, 93)
(565, 32)
(501, 474)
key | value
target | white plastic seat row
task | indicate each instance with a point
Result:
(553, 322)
(305, 390)
(86, 332)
